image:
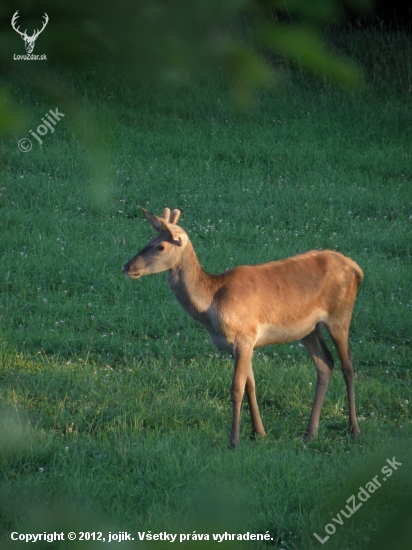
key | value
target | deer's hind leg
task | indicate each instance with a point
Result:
(317, 349)
(340, 340)
(257, 425)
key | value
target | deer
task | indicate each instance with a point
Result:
(29, 41)
(251, 306)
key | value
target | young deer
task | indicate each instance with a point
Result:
(251, 306)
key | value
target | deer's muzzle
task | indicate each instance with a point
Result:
(128, 273)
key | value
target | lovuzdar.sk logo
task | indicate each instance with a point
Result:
(29, 41)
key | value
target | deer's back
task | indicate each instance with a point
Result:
(283, 300)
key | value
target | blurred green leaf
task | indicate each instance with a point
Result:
(303, 46)
(315, 10)
(248, 73)
(164, 39)
(11, 118)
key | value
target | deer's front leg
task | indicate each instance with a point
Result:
(243, 374)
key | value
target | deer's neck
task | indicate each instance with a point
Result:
(193, 287)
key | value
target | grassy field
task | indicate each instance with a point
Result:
(115, 405)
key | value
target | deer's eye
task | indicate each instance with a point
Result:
(160, 247)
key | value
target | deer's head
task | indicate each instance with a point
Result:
(162, 252)
(29, 41)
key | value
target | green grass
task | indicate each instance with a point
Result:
(115, 403)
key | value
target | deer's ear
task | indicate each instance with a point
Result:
(174, 234)
(155, 222)
(179, 236)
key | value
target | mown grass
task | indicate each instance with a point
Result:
(114, 401)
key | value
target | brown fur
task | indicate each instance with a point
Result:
(252, 306)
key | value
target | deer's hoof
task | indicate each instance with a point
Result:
(310, 435)
(256, 434)
(234, 443)
(354, 432)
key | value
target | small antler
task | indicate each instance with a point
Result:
(13, 24)
(171, 217)
(166, 214)
(175, 216)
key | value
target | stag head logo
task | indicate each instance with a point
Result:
(29, 41)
